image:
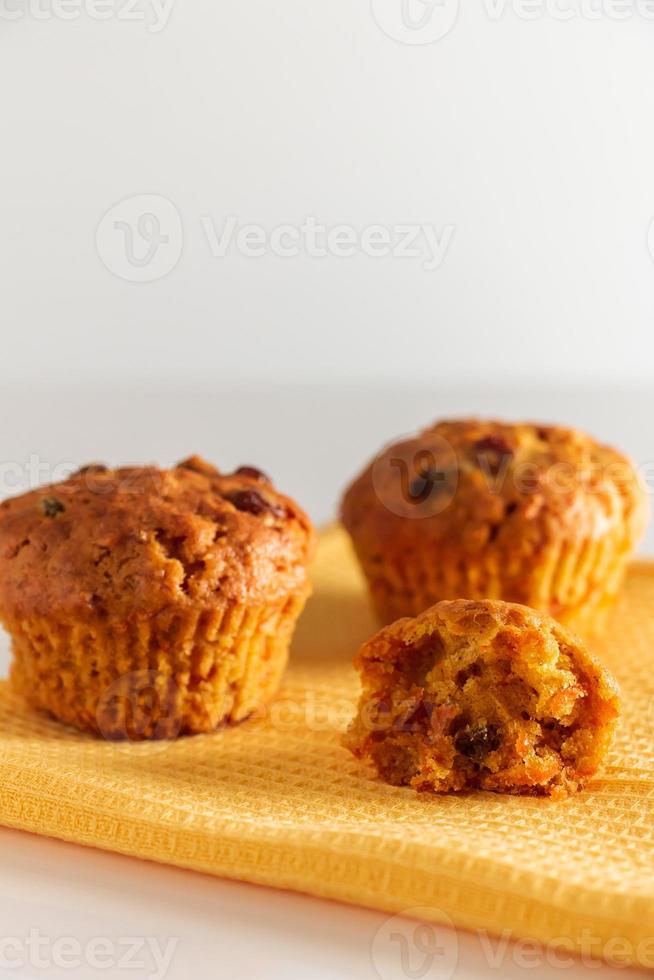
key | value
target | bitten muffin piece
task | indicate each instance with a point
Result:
(144, 603)
(534, 514)
(482, 695)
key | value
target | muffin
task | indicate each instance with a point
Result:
(482, 695)
(145, 603)
(534, 514)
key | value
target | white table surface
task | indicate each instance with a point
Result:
(312, 441)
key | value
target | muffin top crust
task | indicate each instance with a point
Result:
(474, 484)
(139, 540)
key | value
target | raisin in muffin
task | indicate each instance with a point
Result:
(483, 695)
(535, 514)
(144, 603)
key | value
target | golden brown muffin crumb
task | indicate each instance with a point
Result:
(482, 695)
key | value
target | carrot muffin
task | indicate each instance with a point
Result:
(482, 695)
(536, 514)
(144, 603)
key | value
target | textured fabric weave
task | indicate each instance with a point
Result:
(277, 801)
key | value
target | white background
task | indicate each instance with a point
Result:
(531, 139)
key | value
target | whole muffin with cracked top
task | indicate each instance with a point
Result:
(483, 695)
(146, 603)
(535, 514)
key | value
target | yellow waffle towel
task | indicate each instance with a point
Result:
(277, 801)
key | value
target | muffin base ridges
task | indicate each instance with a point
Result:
(176, 673)
(576, 583)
